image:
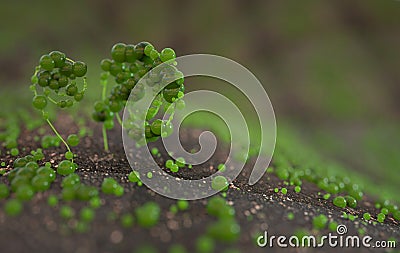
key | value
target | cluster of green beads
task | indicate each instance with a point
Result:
(26, 179)
(128, 65)
(57, 73)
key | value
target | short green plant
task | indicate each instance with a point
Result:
(128, 64)
(56, 81)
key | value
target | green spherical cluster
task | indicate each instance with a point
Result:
(25, 181)
(57, 73)
(148, 214)
(128, 64)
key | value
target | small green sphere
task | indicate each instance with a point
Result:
(13, 207)
(351, 202)
(130, 54)
(219, 183)
(71, 89)
(167, 54)
(24, 192)
(40, 183)
(134, 177)
(95, 202)
(367, 216)
(58, 58)
(225, 230)
(69, 155)
(381, 217)
(47, 63)
(147, 50)
(14, 151)
(205, 244)
(105, 64)
(70, 181)
(67, 212)
(52, 200)
(340, 202)
(67, 69)
(79, 68)
(65, 167)
(218, 207)
(87, 214)
(182, 204)
(47, 172)
(174, 168)
(127, 220)
(169, 163)
(39, 102)
(118, 52)
(119, 191)
(156, 127)
(109, 185)
(320, 221)
(148, 214)
(73, 140)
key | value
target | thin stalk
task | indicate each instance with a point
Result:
(59, 136)
(105, 140)
(103, 97)
(119, 119)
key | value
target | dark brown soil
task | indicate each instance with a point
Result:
(258, 208)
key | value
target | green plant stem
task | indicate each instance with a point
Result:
(59, 136)
(51, 100)
(105, 140)
(119, 119)
(104, 92)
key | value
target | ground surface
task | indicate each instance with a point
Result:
(258, 208)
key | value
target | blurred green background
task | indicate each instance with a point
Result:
(331, 68)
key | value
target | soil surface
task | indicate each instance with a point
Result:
(258, 208)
